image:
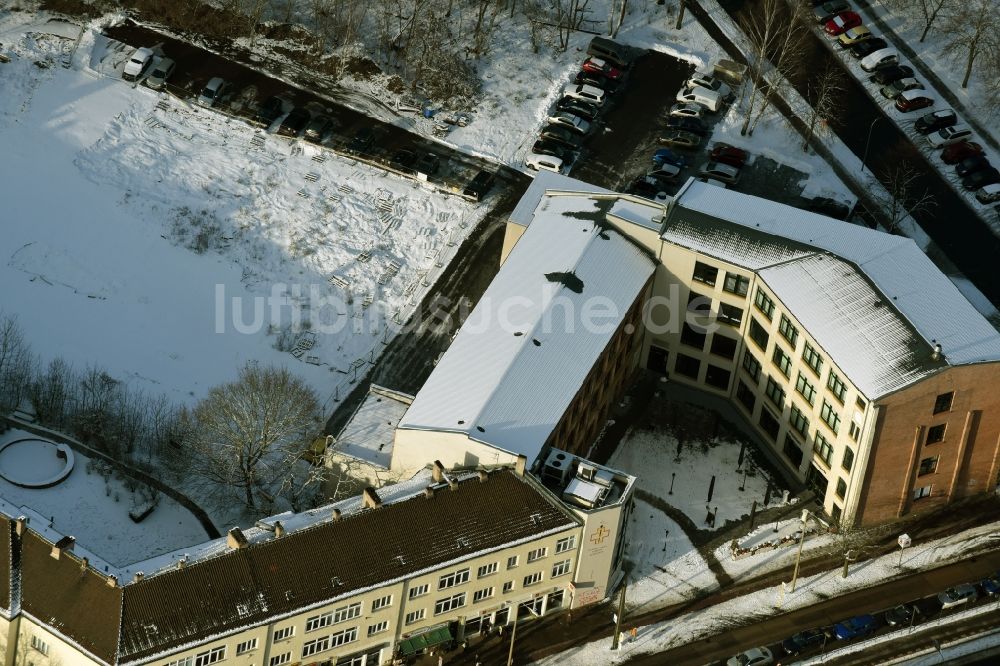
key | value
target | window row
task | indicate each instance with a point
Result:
(324, 643)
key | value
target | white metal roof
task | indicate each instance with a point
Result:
(524, 211)
(368, 435)
(525, 350)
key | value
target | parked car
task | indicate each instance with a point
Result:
(949, 135)
(709, 99)
(758, 656)
(647, 188)
(686, 110)
(702, 80)
(719, 171)
(958, 595)
(731, 155)
(689, 125)
(549, 147)
(617, 54)
(363, 140)
(934, 121)
(271, 109)
(602, 67)
(841, 23)
(867, 47)
(577, 107)
(988, 194)
(665, 173)
(680, 139)
(829, 207)
(666, 156)
(403, 160)
(828, 10)
(318, 128)
(854, 36)
(214, 92)
(978, 179)
(586, 93)
(913, 100)
(537, 162)
(428, 164)
(480, 185)
(857, 626)
(712, 181)
(803, 640)
(294, 122)
(161, 72)
(900, 616)
(137, 64)
(893, 90)
(890, 74)
(585, 78)
(575, 124)
(560, 135)
(879, 59)
(972, 164)
(957, 152)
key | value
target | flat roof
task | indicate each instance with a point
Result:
(368, 435)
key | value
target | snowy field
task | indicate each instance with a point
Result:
(170, 244)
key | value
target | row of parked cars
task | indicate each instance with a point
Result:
(700, 95)
(862, 626)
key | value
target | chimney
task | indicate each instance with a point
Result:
(138, 576)
(936, 354)
(22, 524)
(519, 465)
(235, 539)
(437, 472)
(336, 514)
(370, 499)
(64, 544)
(484, 476)
(452, 482)
(111, 581)
(84, 563)
(182, 562)
(429, 492)
(279, 529)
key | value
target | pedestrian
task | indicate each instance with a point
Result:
(633, 632)
(440, 660)
(500, 631)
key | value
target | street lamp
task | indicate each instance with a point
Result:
(868, 142)
(798, 554)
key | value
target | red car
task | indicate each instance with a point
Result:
(602, 67)
(730, 155)
(957, 152)
(911, 100)
(842, 22)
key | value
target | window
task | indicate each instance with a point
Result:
(745, 396)
(691, 337)
(943, 402)
(345, 636)
(758, 334)
(724, 346)
(782, 361)
(717, 377)
(792, 450)
(212, 656)
(736, 284)
(382, 602)
(928, 466)
(281, 659)
(315, 646)
(788, 331)
(537, 554)
(935, 434)
(378, 627)
(854, 430)
(730, 314)
(805, 388)
(43, 647)
(282, 634)
(860, 403)
(705, 273)
(764, 303)
(837, 387)
(415, 616)
(922, 492)
(823, 448)
(487, 569)
(769, 424)
(453, 579)
(512, 561)
(418, 591)
(560, 569)
(830, 417)
(533, 579)
(508, 586)
(348, 612)
(186, 661)
(812, 358)
(775, 393)
(484, 593)
(246, 646)
(841, 488)
(848, 461)
(751, 365)
(449, 603)
(565, 544)
(319, 621)
(687, 366)
(799, 421)
(699, 308)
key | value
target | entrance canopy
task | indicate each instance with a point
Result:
(425, 640)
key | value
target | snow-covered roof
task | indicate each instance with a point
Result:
(524, 211)
(526, 348)
(876, 267)
(368, 435)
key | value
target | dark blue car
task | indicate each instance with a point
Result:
(857, 626)
(803, 641)
(667, 156)
(991, 585)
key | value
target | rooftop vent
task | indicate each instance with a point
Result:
(337, 582)
(336, 514)
(402, 562)
(484, 476)
(936, 354)
(279, 529)
(138, 576)
(462, 542)
(111, 581)
(64, 544)
(437, 470)
(235, 539)
(520, 464)
(370, 498)
(429, 492)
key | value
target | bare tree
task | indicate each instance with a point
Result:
(15, 363)
(569, 16)
(245, 436)
(930, 10)
(972, 30)
(616, 16)
(903, 194)
(825, 91)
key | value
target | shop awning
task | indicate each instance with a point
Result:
(425, 640)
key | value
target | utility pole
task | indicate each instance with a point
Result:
(618, 618)
(680, 17)
(798, 555)
(513, 633)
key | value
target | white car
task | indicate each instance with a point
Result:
(686, 110)
(722, 172)
(988, 193)
(759, 656)
(879, 59)
(949, 135)
(709, 99)
(137, 64)
(591, 94)
(537, 162)
(703, 80)
(575, 124)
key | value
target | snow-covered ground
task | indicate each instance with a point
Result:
(170, 245)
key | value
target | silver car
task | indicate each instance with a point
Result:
(158, 77)
(214, 92)
(956, 596)
(721, 172)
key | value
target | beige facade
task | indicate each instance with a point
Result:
(411, 448)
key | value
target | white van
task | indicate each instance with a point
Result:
(591, 94)
(137, 64)
(988, 194)
(537, 162)
(709, 99)
(879, 59)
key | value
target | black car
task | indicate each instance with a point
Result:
(318, 128)
(977, 179)
(403, 160)
(480, 185)
(428, 163)
(971, 165)
(596, 80)
(829, 207)
(579, 108)
(803, 640)
(688, 125)
(550, 147)
(886, 75)
(647, 188)
(294, 122)
(900, 616)
(363, 140)
(828, 10)
(934, 121)
(560, 135)
(867, 47)
(270, 109)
